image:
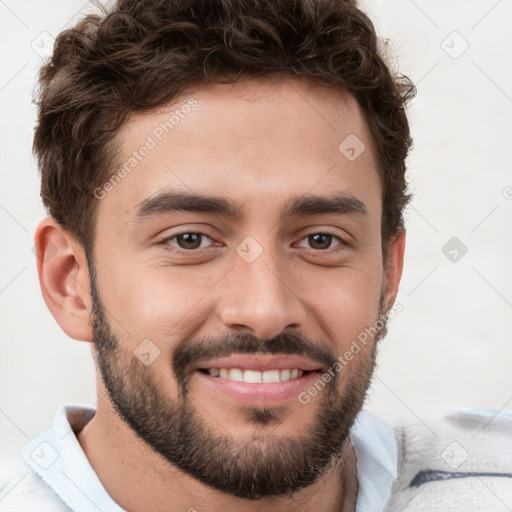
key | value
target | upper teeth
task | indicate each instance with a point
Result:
(255, 376)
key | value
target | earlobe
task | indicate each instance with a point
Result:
(64, 278)
(394, 267)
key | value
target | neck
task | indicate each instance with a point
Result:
(139, 479)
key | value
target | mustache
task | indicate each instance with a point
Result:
(188, 354)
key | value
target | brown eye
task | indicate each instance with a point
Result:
(320, 241)
(189, 240)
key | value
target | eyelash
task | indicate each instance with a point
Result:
(342, 243)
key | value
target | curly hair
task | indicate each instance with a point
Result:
(141, 54)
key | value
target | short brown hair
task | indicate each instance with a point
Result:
(141, 54)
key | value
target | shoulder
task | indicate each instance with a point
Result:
(21, 489)
(460, 462)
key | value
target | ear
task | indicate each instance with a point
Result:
(64, 278)
(393, 269)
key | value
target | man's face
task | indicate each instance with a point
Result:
(213, 316)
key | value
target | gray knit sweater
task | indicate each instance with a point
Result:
(461, 463)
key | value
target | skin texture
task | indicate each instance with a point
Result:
(260, 143)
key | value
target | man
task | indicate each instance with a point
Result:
(225, 182)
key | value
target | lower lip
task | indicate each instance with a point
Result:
(262, 395)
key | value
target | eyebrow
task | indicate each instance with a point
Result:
(170, 201)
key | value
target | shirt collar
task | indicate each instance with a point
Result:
(374, 441)
(57, 457)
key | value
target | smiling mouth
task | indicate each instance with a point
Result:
(258, 380)
(255, 376)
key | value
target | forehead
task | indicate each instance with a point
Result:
(261, 142)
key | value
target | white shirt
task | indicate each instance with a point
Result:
(68, 482)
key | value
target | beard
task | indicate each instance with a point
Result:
(267, 464)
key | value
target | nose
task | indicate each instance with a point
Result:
(258, 298)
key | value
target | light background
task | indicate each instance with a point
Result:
(451, 345)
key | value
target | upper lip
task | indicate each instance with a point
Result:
(261, 362)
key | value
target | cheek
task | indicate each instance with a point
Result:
(158, 302)
(345, 302)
